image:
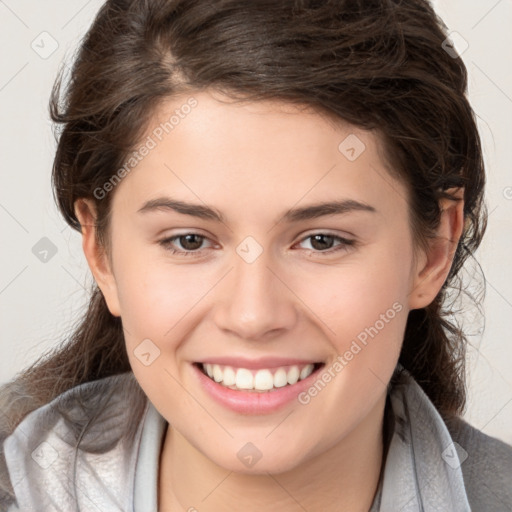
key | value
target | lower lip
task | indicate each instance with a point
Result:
(245, 402)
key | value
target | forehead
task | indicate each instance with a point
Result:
(273, 121)
(265, 154)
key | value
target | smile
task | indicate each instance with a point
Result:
(260, 390)
(262, 380)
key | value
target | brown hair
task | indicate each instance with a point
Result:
(378, 64)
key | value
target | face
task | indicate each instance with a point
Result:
(255, 279)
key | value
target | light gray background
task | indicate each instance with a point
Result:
(39, 302)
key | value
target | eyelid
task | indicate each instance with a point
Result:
(166, 241)
(329, 232)
(345, 243)
(346, 236)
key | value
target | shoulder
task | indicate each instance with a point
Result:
(482, 463)
(93, 412)
(486, 468)
(88, 434)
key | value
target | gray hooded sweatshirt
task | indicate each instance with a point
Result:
(96, 448)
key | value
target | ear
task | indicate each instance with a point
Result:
(434, 265)
(96, 254)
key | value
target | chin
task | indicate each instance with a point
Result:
(248, 460)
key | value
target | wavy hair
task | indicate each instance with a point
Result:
(377, 64)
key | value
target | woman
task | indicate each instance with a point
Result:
(324, 158)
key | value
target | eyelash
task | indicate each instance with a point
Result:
(345, 243)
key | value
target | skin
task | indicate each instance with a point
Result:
(253, 162)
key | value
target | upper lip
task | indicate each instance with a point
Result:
(262, 362)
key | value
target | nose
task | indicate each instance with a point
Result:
(256, 302)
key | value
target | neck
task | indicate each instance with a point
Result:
(342, 478)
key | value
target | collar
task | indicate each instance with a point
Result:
(422, 469)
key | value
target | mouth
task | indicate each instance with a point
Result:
(261, 380)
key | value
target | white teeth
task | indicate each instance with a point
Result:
(280, 379)
(229, 376)
(306, 371)
(244, 379)
(293, 375)
(218, 374)
(261, 380)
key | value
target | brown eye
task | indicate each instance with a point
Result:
(189, 244)
(323, 243)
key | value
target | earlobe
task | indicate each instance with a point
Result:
(96, 254)
(434, 267)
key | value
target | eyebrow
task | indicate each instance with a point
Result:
(293, 215)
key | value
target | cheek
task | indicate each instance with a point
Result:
(350, 298)
(154, 298)
(157, 308)
(363, 312)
